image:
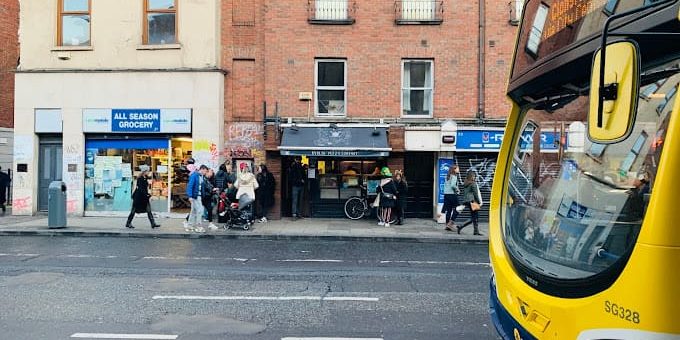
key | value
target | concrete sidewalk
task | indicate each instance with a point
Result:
(419, 230)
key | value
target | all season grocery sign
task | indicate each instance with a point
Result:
(131, 121)
(125, 120)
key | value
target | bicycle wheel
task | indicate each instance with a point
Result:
(355, 208)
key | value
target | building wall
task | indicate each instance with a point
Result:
(500, 44)
(116, 36)
(200, 91)
(9, 56)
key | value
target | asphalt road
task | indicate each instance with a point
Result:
(92, 288)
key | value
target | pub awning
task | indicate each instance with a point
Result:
(335, 141)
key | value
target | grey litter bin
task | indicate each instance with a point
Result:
(56, 205)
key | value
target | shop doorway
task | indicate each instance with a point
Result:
(50, 167)
(419, 172)
(181, 151)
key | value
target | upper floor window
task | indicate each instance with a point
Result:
(419, 11)
(331, 11)
(73, 28)
(516, 7)
(160, 22)
(331, 87)
(417, 87)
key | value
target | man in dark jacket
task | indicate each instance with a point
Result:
(5, 180)
(222, 177)
(296, 180)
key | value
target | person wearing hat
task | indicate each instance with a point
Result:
(388, 197)
(140, 199)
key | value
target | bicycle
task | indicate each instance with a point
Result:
(357, 207)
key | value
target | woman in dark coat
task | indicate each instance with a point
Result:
(140, 199)
(265, 191)
(470, 196)
(388, 197)
(402, 193)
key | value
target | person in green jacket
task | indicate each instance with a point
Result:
(471, 196)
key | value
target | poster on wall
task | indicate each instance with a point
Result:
(442, 170)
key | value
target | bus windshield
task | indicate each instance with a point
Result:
(574, 207)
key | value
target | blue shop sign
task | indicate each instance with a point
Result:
(490, 140)
(136, 120)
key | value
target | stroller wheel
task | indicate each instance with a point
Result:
(246, 226)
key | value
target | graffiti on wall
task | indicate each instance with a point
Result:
(73, 156)
(207, 153)
(484, 168)
(245, 140)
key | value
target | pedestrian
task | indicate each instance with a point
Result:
(296, 180)
(207, 191)
(194, 190)
(451, 193)
(140, 199)
(189, 168)
(388, 197)
(5, 180)
(221, 178)
(246, 184)
(402, 194)
(265, 194)
(473, 202)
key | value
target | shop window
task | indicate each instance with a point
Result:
(417, 88)
(111, 169)
(73, 24)
(160, 22)
(331, 87)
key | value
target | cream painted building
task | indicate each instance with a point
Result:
(107, 87)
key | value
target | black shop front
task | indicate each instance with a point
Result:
(340, 161)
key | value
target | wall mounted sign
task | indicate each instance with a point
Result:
(130, 121)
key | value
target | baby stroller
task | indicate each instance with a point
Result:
(240, 214)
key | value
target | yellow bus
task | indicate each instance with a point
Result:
(584, 241)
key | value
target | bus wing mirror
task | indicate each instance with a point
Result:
(614, 90)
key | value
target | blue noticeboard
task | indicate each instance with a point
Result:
(491, 139)
(443, 170)
(136, 120)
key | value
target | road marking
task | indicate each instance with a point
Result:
(439, 262)
(289, 338)
(20, 255)
(312, 260)
(267, 298)
(124, 336)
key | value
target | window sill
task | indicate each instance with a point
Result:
(418, 22)
(159, 47)
(71, 48)
(331, 22)
(416, 117)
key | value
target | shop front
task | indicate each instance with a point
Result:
(340, 161)
(119, 143)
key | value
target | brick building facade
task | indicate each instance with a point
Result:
(9, 56)
(279, 54)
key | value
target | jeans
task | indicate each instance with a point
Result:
(449, 209)
(297, 191)
(148, 213)
(207, 205)
(474, 218)
(196, 212)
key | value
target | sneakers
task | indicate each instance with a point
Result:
(187, 227)
(200, 230)
(212, 227)
(381, 223)
(387, 225)
(263, 220)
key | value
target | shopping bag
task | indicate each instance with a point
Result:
(376, 202)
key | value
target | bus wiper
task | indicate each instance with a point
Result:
(654, 76)
(552, 104)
